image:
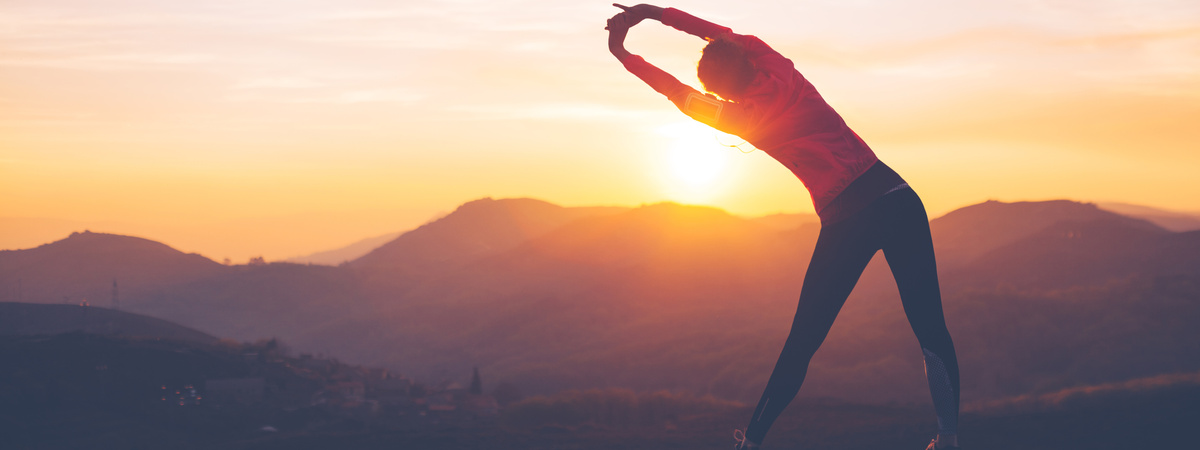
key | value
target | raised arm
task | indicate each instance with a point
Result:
(706, 30)
(722, 115)
(643, 11)
(692, 25)
(618, 26)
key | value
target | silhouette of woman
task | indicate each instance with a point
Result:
(864, 205)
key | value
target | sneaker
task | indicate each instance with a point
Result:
(933, 446)
(740, 441)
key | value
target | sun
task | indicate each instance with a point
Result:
(695, 167)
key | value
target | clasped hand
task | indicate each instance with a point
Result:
(618, 25)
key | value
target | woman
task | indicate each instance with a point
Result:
(863, 204)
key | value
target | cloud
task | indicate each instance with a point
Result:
(387, 95)
(278, 83)
(552, 111)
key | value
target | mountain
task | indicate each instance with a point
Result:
(1054, 244)
(527, 214)
(676, 297)
(347, 253)
(786, 222)
(85, 266)
(1040, 296)
(1079, 253)
(474, 230)
(250, 302)
(967, 233)
(1171, 220)
(27, 232)
(588, 303)
(33, 319)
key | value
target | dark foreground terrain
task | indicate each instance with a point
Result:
(1142, 424)
(84, 391)
(1163, 420)
(1153, 419)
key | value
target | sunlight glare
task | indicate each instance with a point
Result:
(697, 165)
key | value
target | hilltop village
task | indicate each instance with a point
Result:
(232, 390)
(336, 390)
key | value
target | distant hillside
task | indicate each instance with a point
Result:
(476, 229)
(85, 265)
(347, 253)
(27, 232)
(27, 319)
(263, 301)
(1078, 253)
(590, 303)
(641, 298)
(967, 233)
(1171, 220)
(1041, 296)
(787, 222)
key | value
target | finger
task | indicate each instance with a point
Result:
(623, 7)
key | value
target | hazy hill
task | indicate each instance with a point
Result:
(1041, 296)
(475, 226)
(588, 303)
(1075, 253)
(347, 253)
(967, 233)
(261, 301)
(27, 232)
(35, 319)
(786, 222)
(84, 266)
(1171, 220)
(476, 229)
(669, 296)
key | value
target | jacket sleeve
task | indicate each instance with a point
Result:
(764, 56)
(692, 25)
(729, 117)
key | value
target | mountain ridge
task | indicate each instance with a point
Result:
(33, 319)
(670, 296)
(86, 265)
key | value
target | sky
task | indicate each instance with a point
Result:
(281, 128)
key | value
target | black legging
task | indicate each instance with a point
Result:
(897, 224)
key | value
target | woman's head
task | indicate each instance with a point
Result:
(725, 69)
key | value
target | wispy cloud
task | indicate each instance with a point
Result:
(278, 83)
(325, 95)
(396, 95)
(553, 111)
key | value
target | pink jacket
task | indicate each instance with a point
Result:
(781, 113)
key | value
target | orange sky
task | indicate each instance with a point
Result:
(280, 128)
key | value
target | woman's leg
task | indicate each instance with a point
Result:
(908, 247)
(842, 252)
